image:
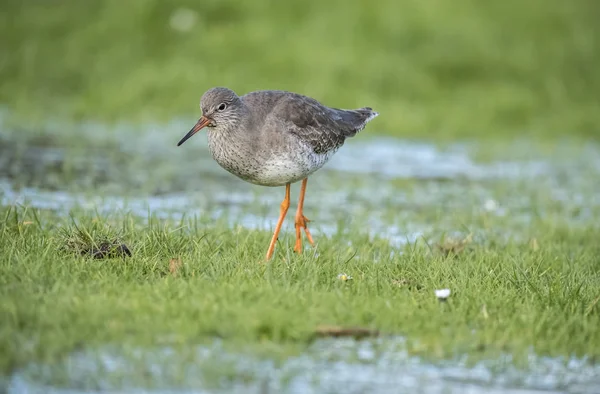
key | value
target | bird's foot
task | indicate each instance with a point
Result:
(302, 223)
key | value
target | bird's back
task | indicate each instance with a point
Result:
(322, 128)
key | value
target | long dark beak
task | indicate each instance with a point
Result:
(201, 123)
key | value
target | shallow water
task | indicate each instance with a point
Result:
(394, 189)
(328, 366)
(400, 188)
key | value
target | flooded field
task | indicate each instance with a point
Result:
(456, 236)
(402, 190)
(396, 190)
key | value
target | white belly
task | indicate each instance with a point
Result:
(280, 170)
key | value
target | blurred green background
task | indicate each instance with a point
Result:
(432, 68)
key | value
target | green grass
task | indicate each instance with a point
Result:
(433, 69)
(53, 302)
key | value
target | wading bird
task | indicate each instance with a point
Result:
(275, 138)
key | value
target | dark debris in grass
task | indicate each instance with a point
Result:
(339, 332)
(108, 250)
(98, 241)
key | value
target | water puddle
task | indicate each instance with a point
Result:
(402, 190)
(328, 366)
(398, 190)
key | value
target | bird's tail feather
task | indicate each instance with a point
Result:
(357, 119)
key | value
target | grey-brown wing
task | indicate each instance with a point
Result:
(322, 128)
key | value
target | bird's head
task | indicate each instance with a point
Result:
(220, 108)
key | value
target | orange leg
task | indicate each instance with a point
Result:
(301, 221)
(285, 204)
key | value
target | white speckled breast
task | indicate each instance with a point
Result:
(267, 167)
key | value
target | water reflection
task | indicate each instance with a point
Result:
(328, 366)
(400, 189)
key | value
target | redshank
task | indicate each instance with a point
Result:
(275, 138)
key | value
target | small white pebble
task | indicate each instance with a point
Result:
(442, 294)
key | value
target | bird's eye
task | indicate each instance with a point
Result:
(222, 107)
